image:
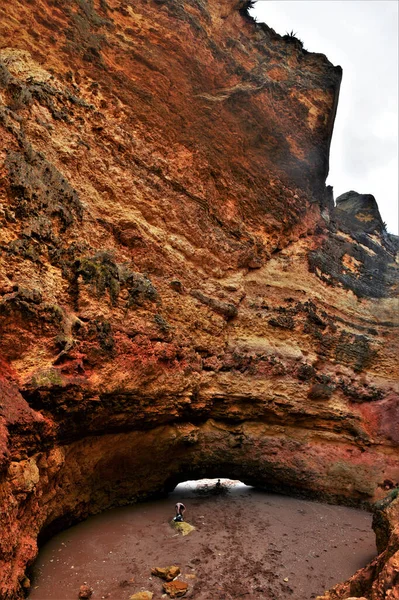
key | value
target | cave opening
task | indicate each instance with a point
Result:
(245, 541)
(206, 488)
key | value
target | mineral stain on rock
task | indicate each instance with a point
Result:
(179, 295)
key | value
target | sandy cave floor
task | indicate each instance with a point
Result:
(247, 544)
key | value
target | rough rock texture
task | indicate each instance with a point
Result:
(182, 527)
(176, 589)
(361, 212)
(142, 596)
(380, 579)
(167, 573)
(175, 281)
(85, 592)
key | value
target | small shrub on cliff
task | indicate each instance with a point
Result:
(26, 248)
(47, 378)
(292, 37)
(101, 272)
(140, 289)
(38, 189)
(104, 335)
(246, 7)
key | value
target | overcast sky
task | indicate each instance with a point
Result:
(362, 37)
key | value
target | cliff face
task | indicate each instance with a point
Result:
(179, 296)
(379, 579)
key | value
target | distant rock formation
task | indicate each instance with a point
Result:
(179, 296)
(359, 212)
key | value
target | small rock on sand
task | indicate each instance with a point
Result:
(26, 583)
(167, 573)
(125, 583)
(142, 596)
(85, 592)
(175, 589)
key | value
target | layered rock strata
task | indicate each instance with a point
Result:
(179, 296)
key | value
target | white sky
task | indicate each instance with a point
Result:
(362, 37)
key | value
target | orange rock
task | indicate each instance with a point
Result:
(142, 596)
(167, 573)
(176, 589)
(85, 592)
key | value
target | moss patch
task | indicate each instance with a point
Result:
(47, 379)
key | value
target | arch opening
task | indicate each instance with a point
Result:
(98, 473)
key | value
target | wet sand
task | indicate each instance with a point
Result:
(247, 544)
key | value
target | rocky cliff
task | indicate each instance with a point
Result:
(179, 296)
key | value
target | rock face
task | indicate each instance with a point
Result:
(361, 212)
(380, 579)
(179, 296)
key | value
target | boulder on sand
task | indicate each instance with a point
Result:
(85, 592)
(183, 527)
(175, 589)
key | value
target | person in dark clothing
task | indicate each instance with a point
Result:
(180, 508)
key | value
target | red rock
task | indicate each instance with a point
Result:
(85, 592)
(175, 589)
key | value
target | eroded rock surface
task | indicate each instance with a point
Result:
(176, 589)
(167, 573)
(179, 296)
(380, 579)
